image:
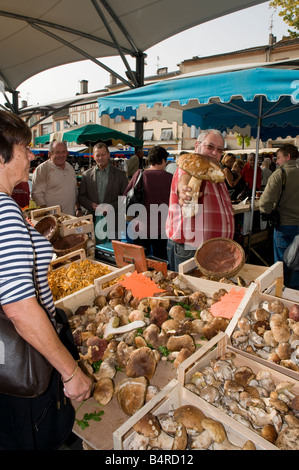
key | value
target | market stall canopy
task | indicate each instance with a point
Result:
(264, 97)
(43, 139)
(40, 34)
(92, 133)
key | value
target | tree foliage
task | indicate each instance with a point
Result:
(289, 11)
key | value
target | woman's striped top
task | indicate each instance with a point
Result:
(16, 257)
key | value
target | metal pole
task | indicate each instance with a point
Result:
(140, 82)
(259, 122)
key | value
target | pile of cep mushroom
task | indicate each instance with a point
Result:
(270, 331)
(120, 332)
(186, 427)
(256, 400)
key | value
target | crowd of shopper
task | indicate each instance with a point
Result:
(164, 233)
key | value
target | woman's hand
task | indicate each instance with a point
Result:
(79, 387)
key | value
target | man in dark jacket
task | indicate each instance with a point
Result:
(288, 207)
(102, 184)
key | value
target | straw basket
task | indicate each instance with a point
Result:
(49, 227)
(70, 243)
(220, 257)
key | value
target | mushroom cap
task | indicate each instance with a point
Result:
(148, 426)
(170, 326)
(248, 445)
(269, 433)
(277, 320)
(177, 312)
(180, 438)
(261, 314)
(183, 354)
(281, 333)
(100, 301)
(123, 352)
(153, 337)
(201, 167)
(284, 386)
(231, 386)
(141, 362)
(253, 392)
(243, 375)
(117, 292)
(214, 327)
(284, 351)
(276, 306)
(131, 394)
(176, 343)
(190, 416)
(269, 339)
(215, 428)
(279, 405)
(103, 390)
(158, 315)
(261, 326)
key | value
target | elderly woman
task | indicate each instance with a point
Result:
(31, 423)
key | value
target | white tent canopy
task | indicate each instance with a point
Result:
(36, 35)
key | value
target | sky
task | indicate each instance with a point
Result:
(244, 29)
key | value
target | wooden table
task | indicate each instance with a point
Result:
(99, 434)
(242, 208)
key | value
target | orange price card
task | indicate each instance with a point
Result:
(140, 285)
(227, 306)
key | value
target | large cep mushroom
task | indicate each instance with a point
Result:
(200, 168)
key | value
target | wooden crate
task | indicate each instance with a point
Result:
(210, 287)
(75, 256)
(272, 278)
(272, 283)
(255, 300)
(38, 214)
(77, 225)
(86, 296)
(283, 293)
(216, 348)
(249, 272)
(193, 283)
(175, 395)
(70, 303)
(100, 287)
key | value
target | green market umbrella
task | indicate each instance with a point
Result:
(43, 139)
(92, 133)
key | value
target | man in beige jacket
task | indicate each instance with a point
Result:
(54, 181)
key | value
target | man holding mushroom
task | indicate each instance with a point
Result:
(202, 211)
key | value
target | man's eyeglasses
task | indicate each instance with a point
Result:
(212, 148)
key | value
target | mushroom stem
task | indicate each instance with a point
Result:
(110, 330)
(191, 208)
